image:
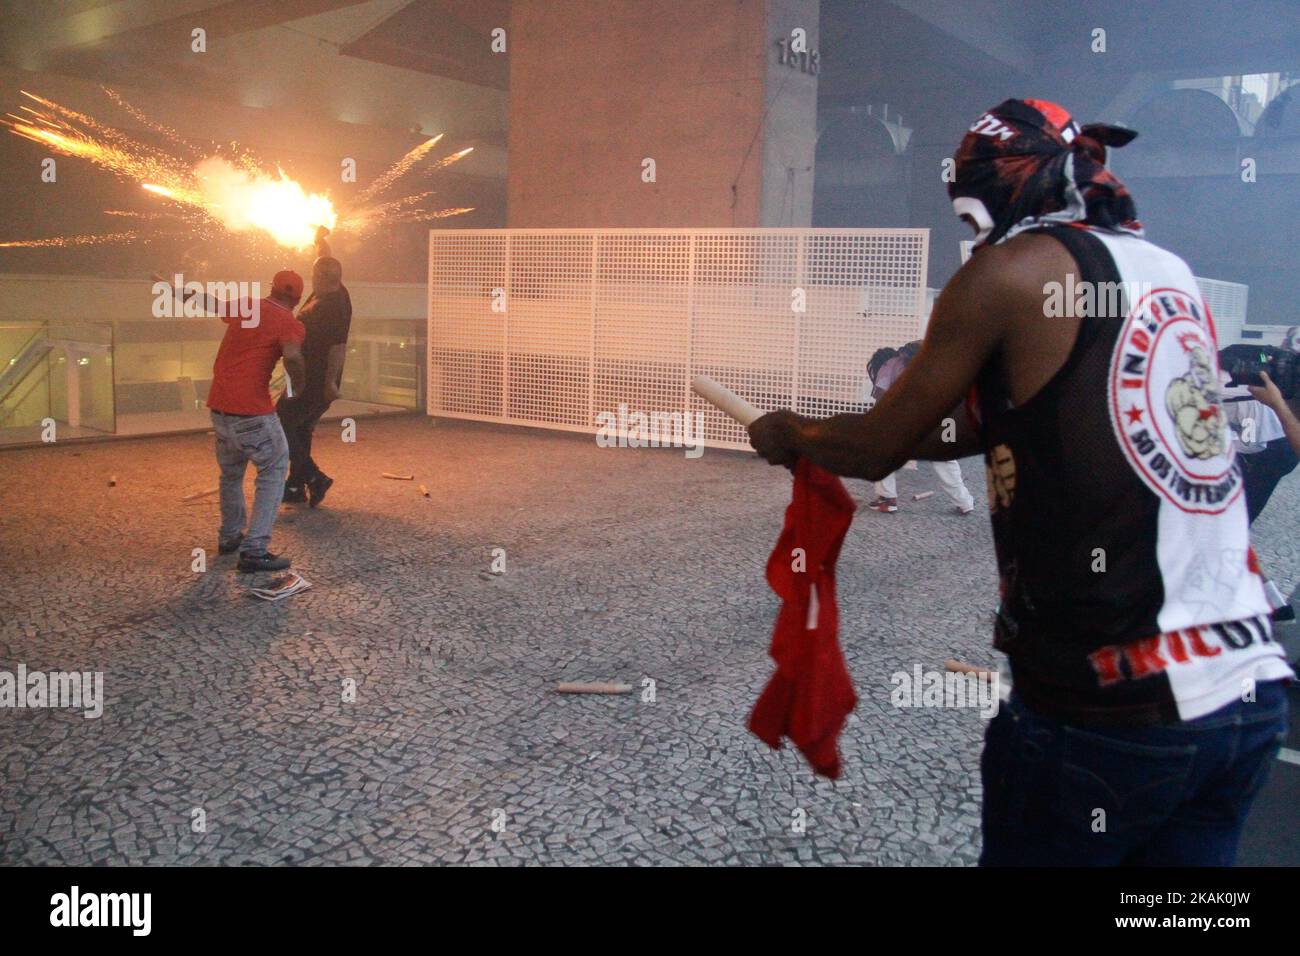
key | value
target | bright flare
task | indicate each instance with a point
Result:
(279, 207)
(236, 195)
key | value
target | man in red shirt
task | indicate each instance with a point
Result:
(258, 333)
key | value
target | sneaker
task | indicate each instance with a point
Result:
(316, 489)
(294, 494)
(266, 561)
(887, 505)
(231, 545)
(964, 511)
(1283, 614)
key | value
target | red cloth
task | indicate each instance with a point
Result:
(241, 375)
(810, 695)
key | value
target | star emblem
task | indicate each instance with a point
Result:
(1134, 415)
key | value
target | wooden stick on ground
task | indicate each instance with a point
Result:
(959, 668)
(585, 687)
(200, 494)
(389, 474)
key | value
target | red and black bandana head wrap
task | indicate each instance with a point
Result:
(1026, 163)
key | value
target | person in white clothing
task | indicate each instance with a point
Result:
(884, 369)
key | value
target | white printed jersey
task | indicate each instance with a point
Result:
(1130, 592)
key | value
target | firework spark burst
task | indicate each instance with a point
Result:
(67, 242)
(237, 194)
(141, 117)
(137, 214)
(398, 169)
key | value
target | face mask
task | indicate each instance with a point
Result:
(1026, 163)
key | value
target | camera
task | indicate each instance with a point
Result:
(1245, 362)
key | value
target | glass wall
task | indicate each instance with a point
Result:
(152, 376)
(385, 362)
(56, 381)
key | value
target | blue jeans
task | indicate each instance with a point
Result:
(1057, 794)
(259, 439)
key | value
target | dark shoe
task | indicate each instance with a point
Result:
(294, 494)
(230, 546)
(266, 561)
(1283, 614)
(316, 489)
(887, 505)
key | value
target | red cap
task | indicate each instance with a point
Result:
(288, 282)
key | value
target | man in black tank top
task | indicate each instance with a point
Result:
(1081, 361)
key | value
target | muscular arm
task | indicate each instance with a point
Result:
(953, 439)
(994, 303)
(210, 303)
(967, 326)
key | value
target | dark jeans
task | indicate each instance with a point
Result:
(299, 417)
(1263, 470)
(1169, 795)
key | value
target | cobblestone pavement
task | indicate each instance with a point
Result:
(621, 565)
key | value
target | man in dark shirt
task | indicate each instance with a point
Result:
(327, 316)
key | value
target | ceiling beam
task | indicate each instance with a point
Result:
(989, 26)
(35, 43)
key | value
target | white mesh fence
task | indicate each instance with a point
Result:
(1227, 303)
(553, 327)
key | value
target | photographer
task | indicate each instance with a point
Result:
(1255, 382)
(1271, 397)
(1260, 443)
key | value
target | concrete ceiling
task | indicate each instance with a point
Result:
(65, 35)
(388, 63)
(274, 78)
(450, 38)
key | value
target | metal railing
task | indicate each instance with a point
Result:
(56, 374)
(152, 376)
(17, 380)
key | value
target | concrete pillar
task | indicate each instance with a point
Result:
(597, 87)
(790, 126)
